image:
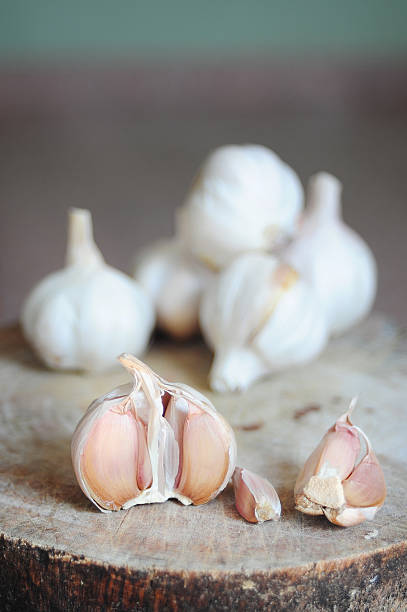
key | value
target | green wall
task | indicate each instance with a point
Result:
(55, 29)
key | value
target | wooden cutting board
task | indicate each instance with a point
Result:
(59, 553)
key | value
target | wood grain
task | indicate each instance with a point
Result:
(59, 553)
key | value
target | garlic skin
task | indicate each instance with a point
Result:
(84, 315)
(259, 317)
(174, 280)
(332, 257)
(334, 483)
(245, 198)
(151, 441)
(255, 497)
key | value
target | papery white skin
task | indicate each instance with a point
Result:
(334, 482)
(259, 317)
(174, 280)
(84, 315)
(145, 400)
(332, 257)
(256, 499)
(245, 198)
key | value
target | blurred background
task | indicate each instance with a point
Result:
(112, 106)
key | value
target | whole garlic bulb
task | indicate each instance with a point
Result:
(259, 317)
(174, 280)
(84, 315)
(150, 441)
(245, 198)
(332, 257)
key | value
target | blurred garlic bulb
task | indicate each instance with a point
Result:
(332, 257)
(259, 317)
(84, 315)
(150, 441)
(174, 280)
(245, 198)
(333, 482)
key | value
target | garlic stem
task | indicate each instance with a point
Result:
(324, 196)
(81, 247)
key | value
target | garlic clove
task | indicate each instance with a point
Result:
(205, 458)
(110, 459)
(150, 442)
(174, 280)
(245, 198)
(84, 315)
(335, 260)
(349, 517)
(333, 460)
(283, 326)
(334, 483)
(365, 487)
(255, 497)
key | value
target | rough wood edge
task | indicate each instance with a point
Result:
(33, 578)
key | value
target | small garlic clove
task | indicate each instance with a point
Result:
(255, 497)
(349, 517)
(333, 483)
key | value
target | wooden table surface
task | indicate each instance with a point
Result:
(58, 552)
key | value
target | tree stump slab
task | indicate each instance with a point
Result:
(58, 552)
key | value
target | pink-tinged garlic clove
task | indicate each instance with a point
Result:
(115, 461)
(349, 517)
(205, 458)
(334, 483)
(255, 497)
(366, 487)
(151, 442)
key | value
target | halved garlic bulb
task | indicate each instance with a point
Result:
(84, 315)
(334, 482)
(259, 317)
(332, 257)
(174, 280)
(255, 497)
(152, 441)
(245, 198)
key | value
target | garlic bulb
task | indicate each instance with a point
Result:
(259, 317)
(255, 497)
(245, 198)
(334, 483)
(84, 315)
(150, 441)
(332, 257)
(174, 280)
